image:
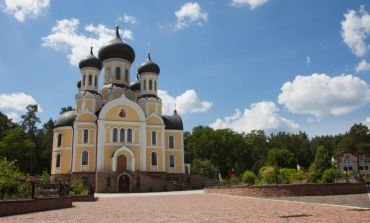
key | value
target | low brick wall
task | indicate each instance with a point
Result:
(290, 190)
(87, 198)
(13, 207)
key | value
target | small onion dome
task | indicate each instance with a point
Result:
(116, 48)
(79, 84)
(173, 121)
(149, 66)
(90, 61)
(66, 119)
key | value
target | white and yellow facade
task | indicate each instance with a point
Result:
(118, 132)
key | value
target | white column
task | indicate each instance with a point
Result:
(143, 146)
(100, 147)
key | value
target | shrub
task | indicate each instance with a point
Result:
(13, 183)
(328, 175)
(288, 175)
(203, 167)
(77, 188)
(269, 175)
(248, 177)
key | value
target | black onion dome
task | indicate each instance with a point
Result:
(90, 61)
(173, 121)
(66, 119)
(79, 84)
(149, 66)
(116, 48)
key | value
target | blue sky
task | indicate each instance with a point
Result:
(223, 63)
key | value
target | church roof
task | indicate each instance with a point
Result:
(90, 61)
(66, 119)
(149, 66)
(135, 86)
(173, 122)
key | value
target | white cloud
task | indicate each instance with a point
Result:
(13, 116)
(190, 13)
(21, 9)
(320, 95)
(263, 115)
(251, 3)
(65, 36)
(16, 101)
(356, 30)
(367, 122)
(308, 60)
(128, 19)
(362, 66)
(187, 102)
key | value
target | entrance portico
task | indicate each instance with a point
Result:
(123, 163)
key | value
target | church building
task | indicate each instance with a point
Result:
(117, 139)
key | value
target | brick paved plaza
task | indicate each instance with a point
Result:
(196, 208)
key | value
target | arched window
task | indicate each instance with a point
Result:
(115, 135)
(150, 85)
(155, 85)
(126, 75)
(57, 163)
(59, 144)
(118, 73)
(129, 135)
(154, 138)
(144, 87)
(171, 142)
(85, 158)
(86, 136)
(154, 159)
(96, 81)
(172, 161)
(83, 80)
(107, 74)
(122, 135)
(90, 80)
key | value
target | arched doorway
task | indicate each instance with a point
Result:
(124, 183)
(121, 163)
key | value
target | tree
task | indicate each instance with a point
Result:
(30, 120)
(5, 124)
(204, 167)
(281, 158)
(65, 109)
(45, 137)
(256, 140)
(356, 141)
(321, 163)
(15, 146)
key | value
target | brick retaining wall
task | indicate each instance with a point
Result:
(291, 190)
(12, 207)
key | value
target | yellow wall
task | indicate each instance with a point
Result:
(78, 159)
(178, 161)
(159, 152)
(66, 136)
(112, 114)
(149, 136)
(65, 161)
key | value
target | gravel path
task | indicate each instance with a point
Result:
(195, 208)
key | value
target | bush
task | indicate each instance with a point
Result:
(77, 188)
(288, 176)
(269, 175)
(13, 183)
(328, 176)
(248, 177)
(203, 167)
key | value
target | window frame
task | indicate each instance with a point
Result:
(107, 74)
(154, 136)
(118, 73)
(154, 161)
(86, 158)
(130, 136)
(126, 74)
(114, 135)
(172, 161)
(150, 85)
(169, 142)
(85, 138)
(122, 135)
(58, 159)
(59, 140)
(90, 80)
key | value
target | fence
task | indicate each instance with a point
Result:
(24, 189)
